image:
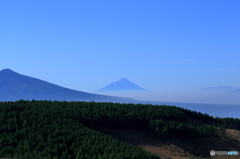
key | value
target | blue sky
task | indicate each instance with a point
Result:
(164, 46)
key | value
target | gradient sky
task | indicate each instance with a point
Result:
(164, 46)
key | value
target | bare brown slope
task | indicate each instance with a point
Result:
(177, 149)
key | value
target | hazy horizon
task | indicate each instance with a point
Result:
(171, 48)
(210, 95)
(186, 96)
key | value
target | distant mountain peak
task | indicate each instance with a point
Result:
(6, 70)
(121, 84)
(121, 79)
(14, 86)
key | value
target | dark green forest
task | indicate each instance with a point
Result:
(67, 130)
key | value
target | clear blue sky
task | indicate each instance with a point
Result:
(159, 45)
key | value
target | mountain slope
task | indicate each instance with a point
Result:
(14, 86)
(121, 84)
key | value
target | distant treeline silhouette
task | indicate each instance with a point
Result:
(53, 129)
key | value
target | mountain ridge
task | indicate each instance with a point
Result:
(236, 91)
(219, 88)
(15, 86)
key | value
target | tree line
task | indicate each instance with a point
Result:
(47, 130)
(53, 129)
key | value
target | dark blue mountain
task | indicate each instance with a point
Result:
(14, 86)
(121, 84)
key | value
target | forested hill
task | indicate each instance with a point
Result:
(52, 129)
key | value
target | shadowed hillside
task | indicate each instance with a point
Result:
(176, 148)
(52, 129)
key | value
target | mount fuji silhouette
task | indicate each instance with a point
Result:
(14, 86)
(120, 85)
